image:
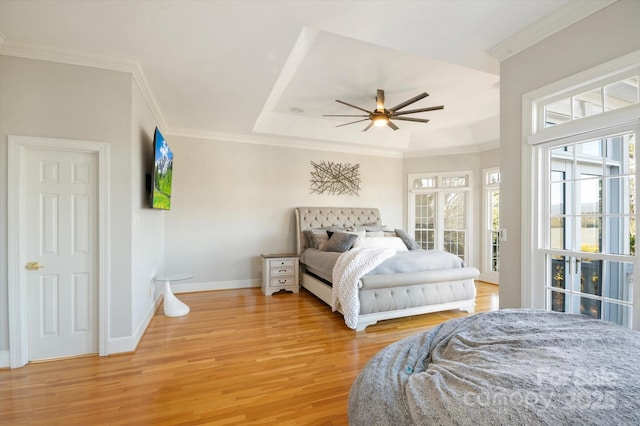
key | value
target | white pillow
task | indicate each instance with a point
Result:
(381, 242)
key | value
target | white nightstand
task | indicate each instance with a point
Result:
(280, 272)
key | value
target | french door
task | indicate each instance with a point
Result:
(588, 226)
(439, 212)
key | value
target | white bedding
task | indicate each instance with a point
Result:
(349, 268)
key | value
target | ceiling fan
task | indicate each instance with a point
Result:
(382, 116)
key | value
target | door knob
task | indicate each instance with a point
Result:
(33, 266)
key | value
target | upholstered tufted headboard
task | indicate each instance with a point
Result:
(325, 217)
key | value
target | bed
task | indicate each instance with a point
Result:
(521, 367)
(399, 283)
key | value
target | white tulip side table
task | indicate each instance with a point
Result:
(173, 307)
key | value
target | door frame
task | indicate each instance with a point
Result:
(18, 148)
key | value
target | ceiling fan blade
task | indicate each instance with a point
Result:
(393, 126)
(380, 100)
(353, 106)
(409, 102)
(368, 126)
(343, 115)
(352, 122)
(418, 120)
(413, 111)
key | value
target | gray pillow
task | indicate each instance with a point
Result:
(310, 238)
(341, 242)
(407, 240)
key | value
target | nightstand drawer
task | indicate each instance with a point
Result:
(283, 270)
(282, 262)
(282, 281)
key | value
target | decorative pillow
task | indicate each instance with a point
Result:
(358, 233)
(310, 239)
(381, 242)
(320, 237)
(341, 241)
(408, 240)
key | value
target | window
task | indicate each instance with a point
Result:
(579, 192)
(591, 228)
(439, 213)
(621, 92)
(491, 221)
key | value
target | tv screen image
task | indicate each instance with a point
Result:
(162, 173)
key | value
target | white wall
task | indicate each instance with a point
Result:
(608, 34)
(147, 226)
(474, 162)
(231, 202)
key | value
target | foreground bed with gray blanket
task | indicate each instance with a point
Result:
(526, 367)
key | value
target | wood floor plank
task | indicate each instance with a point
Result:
(237, 358)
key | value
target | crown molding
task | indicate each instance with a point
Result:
(460, 150)
(134, 67)
(124, 64)
(566, 15)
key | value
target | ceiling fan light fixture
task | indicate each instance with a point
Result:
(382, 116)
(380, 119)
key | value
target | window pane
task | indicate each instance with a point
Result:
(424, 183)
(457, 181)
(494, 197)
(558, 301)
(590, 201)
(621, 94)
(559, 267)
(591, 276)
(454, 210)
(557, 112)
(586, 306)
(558, 198)
(618, 279)
(493, 178)
(620, 235)
(558, 232)
(619, 314)
(587, 103)
(591, 148)
(495, 251)
(590, 234)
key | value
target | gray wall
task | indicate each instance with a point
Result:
(232, 202)
(608, 34)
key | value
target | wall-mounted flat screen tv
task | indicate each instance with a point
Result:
(162, 173)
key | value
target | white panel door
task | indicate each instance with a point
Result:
(62, 290)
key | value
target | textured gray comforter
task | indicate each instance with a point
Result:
(509, 367)
(322, 262)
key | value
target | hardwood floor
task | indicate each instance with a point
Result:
(238, 358)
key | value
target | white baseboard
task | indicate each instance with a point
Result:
(4, 358)
(178, 287)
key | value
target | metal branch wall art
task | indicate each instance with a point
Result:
(335, 178)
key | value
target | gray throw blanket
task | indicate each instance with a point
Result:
(509, 367)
